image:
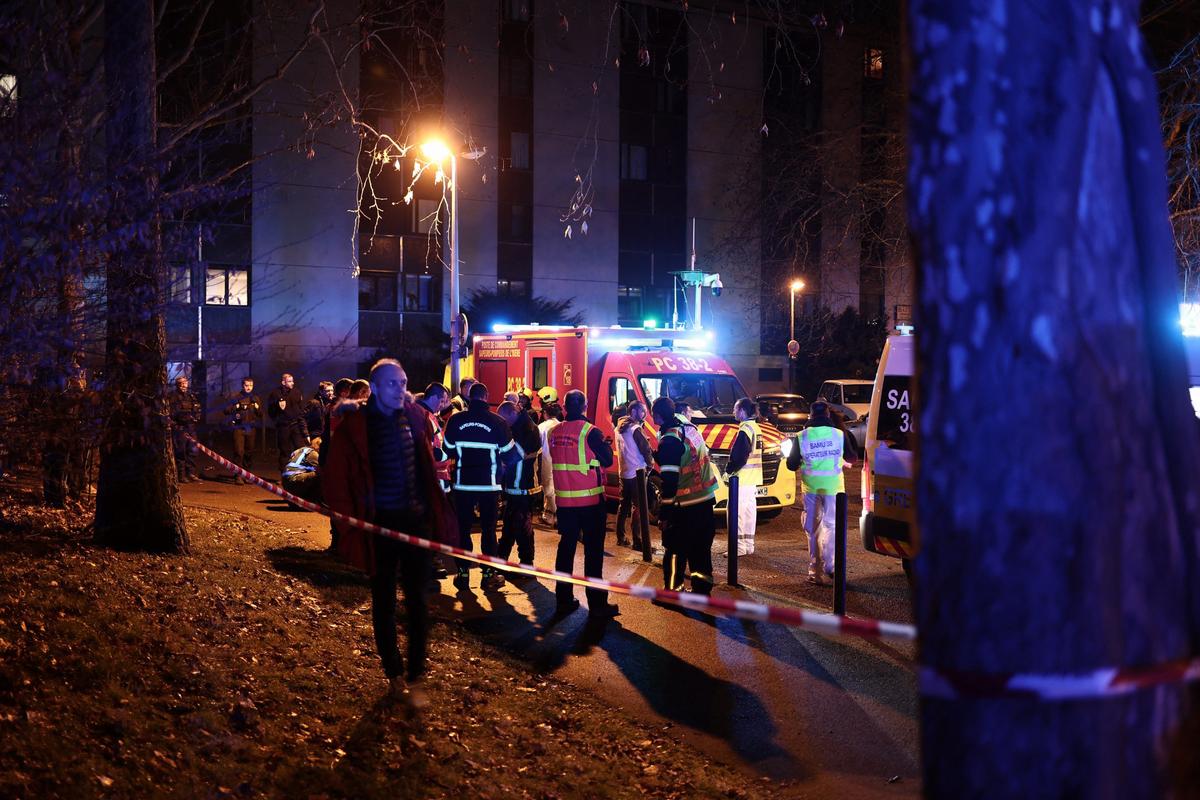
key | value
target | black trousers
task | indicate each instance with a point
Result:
(518, 527)
(243, 448)
(288, 437)
(185, 451)
(628, 510)
(687, 536)
(413, 566)
(588, 523)
(465, 504)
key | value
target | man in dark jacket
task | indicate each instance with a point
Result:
(185, 414)
(520, 481)
(379, 468)
(317, 408)
(244, 411)
(477, 439)
(285, 405)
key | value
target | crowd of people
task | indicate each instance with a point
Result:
(432, 464)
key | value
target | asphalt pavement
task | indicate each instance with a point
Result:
(833, 716)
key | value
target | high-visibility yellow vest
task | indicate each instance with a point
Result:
(697, 475)
(821, 470)
(752, 473)
(578, 479)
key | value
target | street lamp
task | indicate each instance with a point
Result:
(436, 151)
(796, 287)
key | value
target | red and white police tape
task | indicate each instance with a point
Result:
(947, 684)
(795, 617)
(1107, 682)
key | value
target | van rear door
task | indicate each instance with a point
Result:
(888, 523)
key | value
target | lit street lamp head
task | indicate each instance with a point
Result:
(435, 150)
(797, 285)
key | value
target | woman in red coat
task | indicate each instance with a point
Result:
(380, 468)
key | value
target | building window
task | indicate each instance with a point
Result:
(516, 10)
(633, 162)
(419, 293)
(8, 95)
(873, 63)
(512, 288)
(516, 76)
(541, 372)
(377, 291)
(629, 303)
(770, 374)
(426, 215)
(180, 290)
(519, 150)
(226, 286)
(520, 223)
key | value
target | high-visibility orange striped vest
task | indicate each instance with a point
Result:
(697, 475)
(441, 463)
(578, 479)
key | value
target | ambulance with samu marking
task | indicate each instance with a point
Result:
(613, 366)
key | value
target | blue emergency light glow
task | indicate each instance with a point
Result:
(500, 327)
(650, 323)
(1189, 319)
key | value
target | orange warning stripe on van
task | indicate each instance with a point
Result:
(720, 436)
(893, 547)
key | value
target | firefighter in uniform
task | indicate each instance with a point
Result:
(185, 414)
(578, 457)
(477, 439)
(689, 488)
(819, 452)
(745, 461)
(520, 481)
(435, 400)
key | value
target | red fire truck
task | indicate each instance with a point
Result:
(616, 365)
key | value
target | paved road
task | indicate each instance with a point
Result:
(837, 716)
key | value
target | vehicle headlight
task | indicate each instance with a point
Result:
(785, 447)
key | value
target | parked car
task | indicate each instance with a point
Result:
(850, 396)
(788, 412)
(856, 432)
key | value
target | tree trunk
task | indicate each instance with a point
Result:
(1056, 493)
(137, 503)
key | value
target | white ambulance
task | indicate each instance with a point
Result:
(888, 522)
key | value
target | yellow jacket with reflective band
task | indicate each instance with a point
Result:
(697, 475)
(821, 470)
(578, 479)
(751, 474)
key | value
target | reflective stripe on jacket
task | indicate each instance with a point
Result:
(697, 475)
(821, 470)
(751, 474)
(523, 478)
(578, 479)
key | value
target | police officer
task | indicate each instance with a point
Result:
(520, 481)
(745, 461)
(245, 416)
(477, 439)
(185, 414)
(285, 405)
(689, 488)
(819, 453)
(578, 456)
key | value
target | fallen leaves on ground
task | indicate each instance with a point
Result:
(247, 669)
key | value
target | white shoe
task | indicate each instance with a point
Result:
(815, 579)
